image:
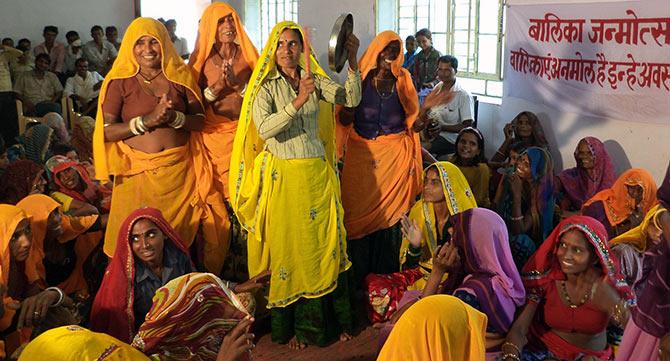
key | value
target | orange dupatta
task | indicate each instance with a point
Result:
(376, 197)
(38, 207)
(618, 205)
(10, 217)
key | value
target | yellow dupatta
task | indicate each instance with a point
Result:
(437, 328)
(637, 237)
(459, 198)
(248, 144)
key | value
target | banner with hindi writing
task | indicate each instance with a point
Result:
(600, 59)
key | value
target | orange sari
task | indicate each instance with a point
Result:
(38, 207)
(381, 177)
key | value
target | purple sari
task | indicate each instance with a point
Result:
(577, 186)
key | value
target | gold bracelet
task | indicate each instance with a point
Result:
(209, 94)
(515, 347)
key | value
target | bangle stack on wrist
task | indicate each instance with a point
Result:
(137, 126)
(209, 94)
(178, 121)
(511, 355)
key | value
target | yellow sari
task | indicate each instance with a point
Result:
(637, 237)
(304, 241)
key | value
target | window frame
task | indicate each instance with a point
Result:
(263, 16)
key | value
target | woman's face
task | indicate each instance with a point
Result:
(635, 193)
(432, 187)
(289, 49)
(523, 127)
(424, 42)
(573, 253)
(54, 228)
(523, 167)
(225, 30)
(584, 155)
(388, 55)
(70, 178)
(147, 51)
(147, 241)
(22, 239)
(468, 146)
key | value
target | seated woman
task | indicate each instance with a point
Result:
(63, 244)
(502, 171)
(72, 181)
(524, 127)
(481, 273)
(26, 303)
(631, 246)
(647, 335)
(381, 175)
(20, 179)
(574, 290)
(438, 327)
(471, 160)
(594, 172)
(525, 200)
(191, 318)
(150, 253)
(445, 194)
(623, 206)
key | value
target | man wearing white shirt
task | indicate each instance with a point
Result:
(73, 51)
(84, 88)
(100, 53)
(179, 43)
(450, 110)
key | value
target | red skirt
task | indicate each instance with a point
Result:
(386, 290)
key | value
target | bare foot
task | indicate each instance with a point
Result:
(294, 344)
(344, 337)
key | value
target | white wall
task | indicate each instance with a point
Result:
(27, 18)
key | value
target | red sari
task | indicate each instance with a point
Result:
(542, 271)
(112, 311)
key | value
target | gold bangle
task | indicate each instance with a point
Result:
(515, 347)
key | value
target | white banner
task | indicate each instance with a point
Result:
(607, 60)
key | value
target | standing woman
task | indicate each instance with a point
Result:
(382, 162)
(149, 108)
(287, 193)
(223, 60)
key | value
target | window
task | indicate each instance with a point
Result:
(471, 30)
(273, 12)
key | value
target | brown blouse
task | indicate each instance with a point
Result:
(127, 99)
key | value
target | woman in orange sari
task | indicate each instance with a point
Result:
(222, 60)
(382, 171)
(147, 136)
(62, 244)
(25, 301)
(623, 206)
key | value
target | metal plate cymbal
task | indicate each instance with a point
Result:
(337, 53)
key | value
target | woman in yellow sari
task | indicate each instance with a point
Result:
(222, 60)
(445, 193)
(147, 137)
(286, 191)
(437, 328)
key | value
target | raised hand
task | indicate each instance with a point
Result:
(161, 114)
(352, 45)
(411, 231)
(446, 258)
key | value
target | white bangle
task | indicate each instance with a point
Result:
(141, 126)
(61, 295)
(244, 90)
(209, 94)
(133, 126)
(178, 121)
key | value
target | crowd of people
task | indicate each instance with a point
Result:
(188, 199)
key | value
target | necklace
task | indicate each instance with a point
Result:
(228, 61)
(564, 288)
(149, 80)
(384, 95)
